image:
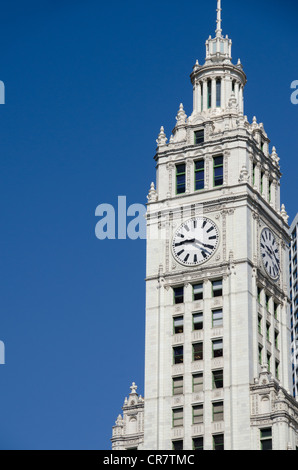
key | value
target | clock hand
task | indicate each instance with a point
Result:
(184, 242)
(204, 244)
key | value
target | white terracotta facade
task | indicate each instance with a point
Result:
(255, 398)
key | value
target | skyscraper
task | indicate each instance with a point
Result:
(217, 359)
(293, 289)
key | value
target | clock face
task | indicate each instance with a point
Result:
(195, 241)
(270, 253)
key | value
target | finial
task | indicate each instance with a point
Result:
(181, 116)
(218, 21)
(133, 388)
(162, 140)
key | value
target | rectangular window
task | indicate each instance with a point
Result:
(270, 191)
(197, 321)
(177, 445)
(276, 336)
(197, 383)
(218, 442)
(267, 302)
(199, 175)
(275, 310)
(180, 179)
(177, 417)
(277, 370)
(217, 379)
(199, 137)
(217, 288)
(268, 331)
(260, 355)
(260, 324)
(259, 294)
(262, 182)
(217, 348)
(178, 325)
(269, 362)
(178, 386)
(197, 414)
(218, 411)
(198, 443)
(209, 93)
(197, 291)
(197, 352)
(218, 93)
(178, 355)
(218, 171)
(254, 174)
(178, 295)
(266, 439)
(217, 318)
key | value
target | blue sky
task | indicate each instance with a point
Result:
(88, 85)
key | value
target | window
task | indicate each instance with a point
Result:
(209, 92)
(260, 355)
(266, 439)
(270, 191)
(268, 331)
(276, 338)
(197, 321)
(275, 310)
(218, 442)
(178, 295)
(180, 179)
(198, 443)
(197, 414)
(197, 291)
(177, 417)
(254, 174)
(262, 182)
(217, 379)
(218, 93)
(217, 318)
(260, 324)
(218, 411)
(277, 370)
(267, 302)
(178, 325)
(177, 385)
(199, 137)
(259, 294)
(177, 445)
(199, 175)
(217, 288)
(217, 348)
(197, 352)
(218, 171)
(197, 382)
(178, 355)
(269, 362)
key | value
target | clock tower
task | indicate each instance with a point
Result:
(217, 366)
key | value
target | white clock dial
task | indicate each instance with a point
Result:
(195, 241)
(270, 253)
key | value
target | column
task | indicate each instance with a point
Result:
(223, 93)
(241, 109)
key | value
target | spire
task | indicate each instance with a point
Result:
(218, 21)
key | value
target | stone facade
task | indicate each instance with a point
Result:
(293, 289)
(217, 359)
(128, 432)
(255, 328)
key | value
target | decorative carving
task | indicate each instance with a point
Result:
(152, 195)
